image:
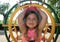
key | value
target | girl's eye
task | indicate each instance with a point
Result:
(28, 18)
(34, 19)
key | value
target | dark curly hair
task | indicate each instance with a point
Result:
(29, 12)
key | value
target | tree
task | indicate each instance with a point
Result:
(55, 4)
(3, 8)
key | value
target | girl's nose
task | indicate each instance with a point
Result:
(31, 21)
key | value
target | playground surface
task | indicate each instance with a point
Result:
(3, 38)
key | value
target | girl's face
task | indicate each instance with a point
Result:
(31, 21)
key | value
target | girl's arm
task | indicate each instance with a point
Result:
(43, 21)
(21, 23)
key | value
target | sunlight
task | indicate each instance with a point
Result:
(1, 17)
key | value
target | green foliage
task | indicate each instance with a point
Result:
(55, 4)
(1, 21)
(59, 15)
(3, 7)
(32, 0)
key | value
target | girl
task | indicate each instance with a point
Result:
(31, 25)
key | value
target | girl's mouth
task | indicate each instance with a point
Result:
(31, 24)
(32, 41)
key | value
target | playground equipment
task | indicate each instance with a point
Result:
(25, 6)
